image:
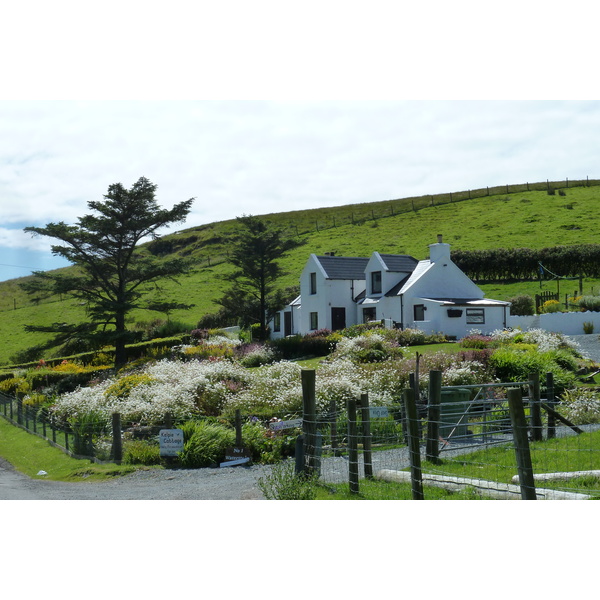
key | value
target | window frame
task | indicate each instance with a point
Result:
(314, 321)
(376, 282)
(422, 308)
(475, 316)
(369, 310)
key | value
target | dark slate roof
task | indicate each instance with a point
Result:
(394, 291)
(343, 267)
(399, 263)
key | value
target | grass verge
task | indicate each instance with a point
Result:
(498, 463)
(30, 454)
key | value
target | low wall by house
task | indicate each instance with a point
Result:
(569, 323)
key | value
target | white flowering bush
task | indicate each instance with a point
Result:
(464, 373)
(181, 388)
(213, 379)
(368, 347)
(545, 340)
(581, 406)
(276, 388)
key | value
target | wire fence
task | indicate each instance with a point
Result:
(506, 440)
(473, 442)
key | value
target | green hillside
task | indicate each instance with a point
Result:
(523, 215)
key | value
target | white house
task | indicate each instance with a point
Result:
(432, 295)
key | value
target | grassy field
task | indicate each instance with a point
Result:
(520, 218)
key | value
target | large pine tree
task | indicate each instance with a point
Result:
(109, 274)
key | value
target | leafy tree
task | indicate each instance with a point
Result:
(255, 251)
(109, 274)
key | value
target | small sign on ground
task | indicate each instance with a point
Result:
(171, 441)
(236, 456)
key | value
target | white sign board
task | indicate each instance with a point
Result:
(171, 441)
(278, 425)
(378, 412)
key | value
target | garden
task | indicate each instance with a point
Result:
(203, 384)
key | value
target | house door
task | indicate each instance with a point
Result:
(338, 318)
(287, 323)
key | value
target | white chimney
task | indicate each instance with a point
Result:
(440, 251)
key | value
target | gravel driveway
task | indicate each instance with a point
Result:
(589, 345)
(231, 483)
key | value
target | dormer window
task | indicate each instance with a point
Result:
(376, 282)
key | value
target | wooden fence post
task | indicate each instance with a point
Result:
(537, 433)
(414, 453)
(117, 443)
(550, 402)
(366, 432)
(352, 448)
(333, 427)
(238, 428)
(523, 455)
(432, 449)
(309, 419)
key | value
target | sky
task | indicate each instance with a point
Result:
(259, 157)
(255, 115)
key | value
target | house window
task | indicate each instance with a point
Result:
(369, 314)
(314, 320)
(277, 322)
(475, 316)
(419, 312)
(376, 282)
(313, 283)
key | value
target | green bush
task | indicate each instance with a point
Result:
(284, 484)
(139, 452)
(267, 446)
(514, 364)
(204, 443)
(319, 343)
(522, 305)
(591, 303)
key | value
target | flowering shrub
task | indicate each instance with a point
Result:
(581, 406)
(550, 306)
(368, 347)
(123, 387)
(254, 355)
(371, 362)
(478, 341)
(464, 373)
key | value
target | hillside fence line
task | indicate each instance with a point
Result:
(372, 211)
(369, 211)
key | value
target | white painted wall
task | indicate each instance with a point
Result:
(330, 293)
(569, 323)
(444, 277)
